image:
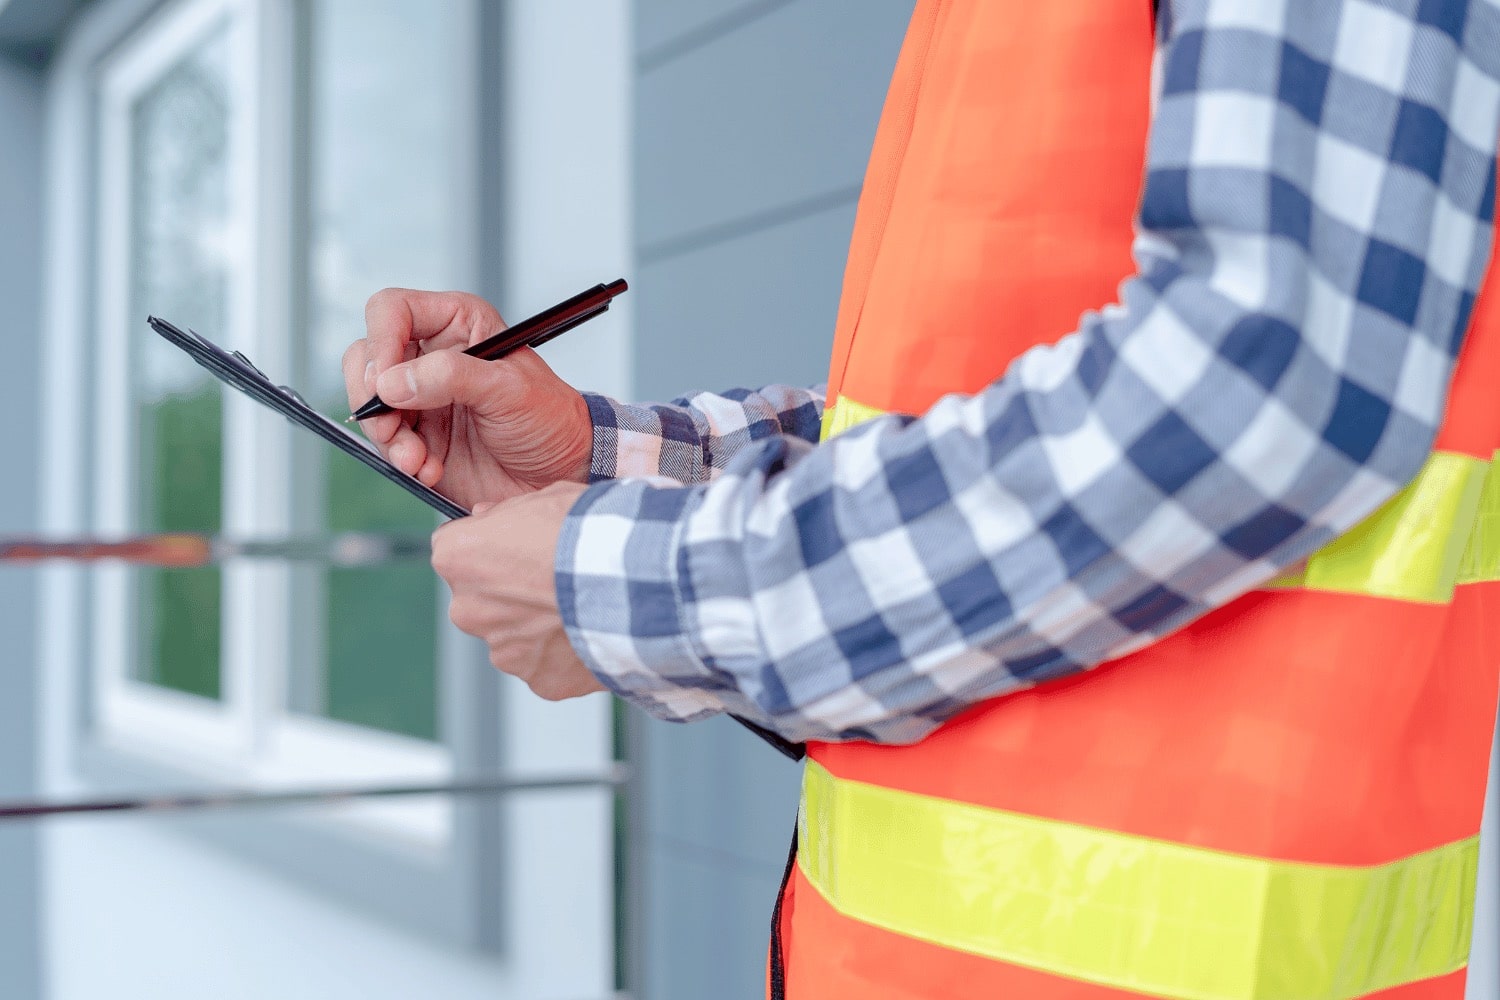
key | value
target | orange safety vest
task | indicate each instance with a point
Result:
(1279, 802)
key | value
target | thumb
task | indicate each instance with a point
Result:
(484, 506)
(443, 378)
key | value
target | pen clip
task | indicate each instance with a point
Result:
(536, 342)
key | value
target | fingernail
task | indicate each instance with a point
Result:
(370, 375)
(398, 385)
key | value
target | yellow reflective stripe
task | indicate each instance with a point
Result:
(844, 414)
(1481, 561)
(1442, 530)
(1132, 912)
(1414, 546)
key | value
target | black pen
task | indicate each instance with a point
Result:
(533, 332)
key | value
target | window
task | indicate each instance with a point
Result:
(178, 132)
(255, 169)
(286, 672)
(174, 235)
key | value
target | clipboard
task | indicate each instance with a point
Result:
(235, 370)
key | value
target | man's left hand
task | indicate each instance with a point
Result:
(498, 563)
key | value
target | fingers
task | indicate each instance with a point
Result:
(359, 373)
(359, 382)
(397, 317)
(396, 321)
(431, 472)
(445, 378)
(399, 442)
(408, 452)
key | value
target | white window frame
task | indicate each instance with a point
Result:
(535, 240)
(248, 735)
(123, 705)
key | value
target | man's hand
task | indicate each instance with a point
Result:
(498, 563)
(476, 430)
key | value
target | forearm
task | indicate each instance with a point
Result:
(692, 439)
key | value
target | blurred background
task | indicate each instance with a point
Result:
(256, 169)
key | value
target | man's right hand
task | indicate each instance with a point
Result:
(475, 430)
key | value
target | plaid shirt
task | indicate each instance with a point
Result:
(1319, 198)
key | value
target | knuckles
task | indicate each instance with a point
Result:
(464, 614)
(505, 660)
(447, 551)
(440, 366)
(549, 688)
(381, 301)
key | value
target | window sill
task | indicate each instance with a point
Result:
(360, 853)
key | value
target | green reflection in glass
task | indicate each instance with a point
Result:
(179, 608)
(381, 623)
(179, 225)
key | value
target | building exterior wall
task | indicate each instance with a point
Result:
(753, 124)
(1484, 958)
(20, 279)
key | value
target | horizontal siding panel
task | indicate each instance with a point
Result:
(728, 769)
(745, 312)
(664, 24)
(713, 925)
(781, 110)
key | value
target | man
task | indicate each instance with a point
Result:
(1247, 488)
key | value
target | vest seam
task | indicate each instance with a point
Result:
(878, 237)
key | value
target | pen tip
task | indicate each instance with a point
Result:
(350, 419)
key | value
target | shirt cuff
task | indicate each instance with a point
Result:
(642, 441)
(617, 593)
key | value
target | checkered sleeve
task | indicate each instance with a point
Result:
(1315, 221)
(692, 439)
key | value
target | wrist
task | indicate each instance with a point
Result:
(580, 451)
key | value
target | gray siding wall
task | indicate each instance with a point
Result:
(20, 282)
(754, 120)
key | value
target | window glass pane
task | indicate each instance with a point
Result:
(179, 208)
(386, 125)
